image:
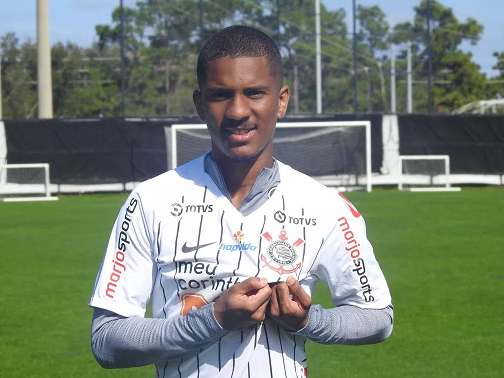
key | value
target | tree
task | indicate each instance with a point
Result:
(372, 41)
(73, 80)
(497, 89)
(18, 75)
(456, 76)
(162, 39)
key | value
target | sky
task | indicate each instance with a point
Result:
(74, 20)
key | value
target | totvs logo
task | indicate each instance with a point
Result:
(176, 209)
(120, 256)
(281, 217)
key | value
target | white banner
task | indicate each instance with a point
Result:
(3, 144)
(390, 139)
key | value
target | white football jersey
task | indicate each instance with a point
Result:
(179, 242)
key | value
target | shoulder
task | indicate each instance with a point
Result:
(328, 202)
(307, 189)
(169, 186)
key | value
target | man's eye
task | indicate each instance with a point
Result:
(255, 93)
(219, 95)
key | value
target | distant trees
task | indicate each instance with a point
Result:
(162, 40)
(459, 78)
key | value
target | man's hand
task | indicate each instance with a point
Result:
(290, 313)
(243, 304)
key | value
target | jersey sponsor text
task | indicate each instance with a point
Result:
(281, 217)
(206, 269)
(237, 247)
(360, 266)
(118, 267)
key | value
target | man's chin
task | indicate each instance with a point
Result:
(243, 154)
(243, 158)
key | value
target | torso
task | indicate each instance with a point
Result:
(204, 246)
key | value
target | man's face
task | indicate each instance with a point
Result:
(240, 102)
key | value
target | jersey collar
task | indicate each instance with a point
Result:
(264, 186)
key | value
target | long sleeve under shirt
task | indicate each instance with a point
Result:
(118, 341)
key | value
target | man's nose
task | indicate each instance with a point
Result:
(238, 108)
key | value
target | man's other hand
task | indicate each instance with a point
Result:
(289, 312)
(243, 304)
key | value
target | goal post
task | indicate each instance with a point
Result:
(335, 153)
(425, 173)
(25, 182)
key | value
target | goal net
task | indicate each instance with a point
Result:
(425, 173)
(25, 182)
(336, 154)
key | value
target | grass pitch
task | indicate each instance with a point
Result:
(441, 253)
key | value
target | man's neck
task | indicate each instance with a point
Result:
(240, 176)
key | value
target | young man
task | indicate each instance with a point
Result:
(229, 247)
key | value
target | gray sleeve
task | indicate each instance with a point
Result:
(349, 325)
(120, 342)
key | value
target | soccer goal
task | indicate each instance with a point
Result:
(337, 154)
(425, 173)
(25, 182)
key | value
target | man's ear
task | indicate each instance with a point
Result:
(198, 104)
(283, 101)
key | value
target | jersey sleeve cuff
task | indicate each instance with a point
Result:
(311, 324)
(123, 309)
(208, 317)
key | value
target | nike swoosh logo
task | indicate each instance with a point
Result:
(187, 249)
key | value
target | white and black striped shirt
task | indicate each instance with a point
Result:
(179, 242)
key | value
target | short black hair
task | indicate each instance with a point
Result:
(238, 42)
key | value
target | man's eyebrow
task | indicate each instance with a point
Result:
(215, 89)
(226, 89)
(257, 88)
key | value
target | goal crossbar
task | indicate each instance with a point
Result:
(365, 124)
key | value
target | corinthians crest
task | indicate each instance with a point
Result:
(280, 255)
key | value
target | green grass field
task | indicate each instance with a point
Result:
(441, 253)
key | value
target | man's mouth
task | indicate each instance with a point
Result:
(240, 130)
(241, 134)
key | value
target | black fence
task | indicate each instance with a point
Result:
(475, 143)
(116, 150)
(90, 151)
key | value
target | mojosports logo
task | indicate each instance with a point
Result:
(124, 240)
(353, 248)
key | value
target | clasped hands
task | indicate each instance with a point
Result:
(251, 301)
